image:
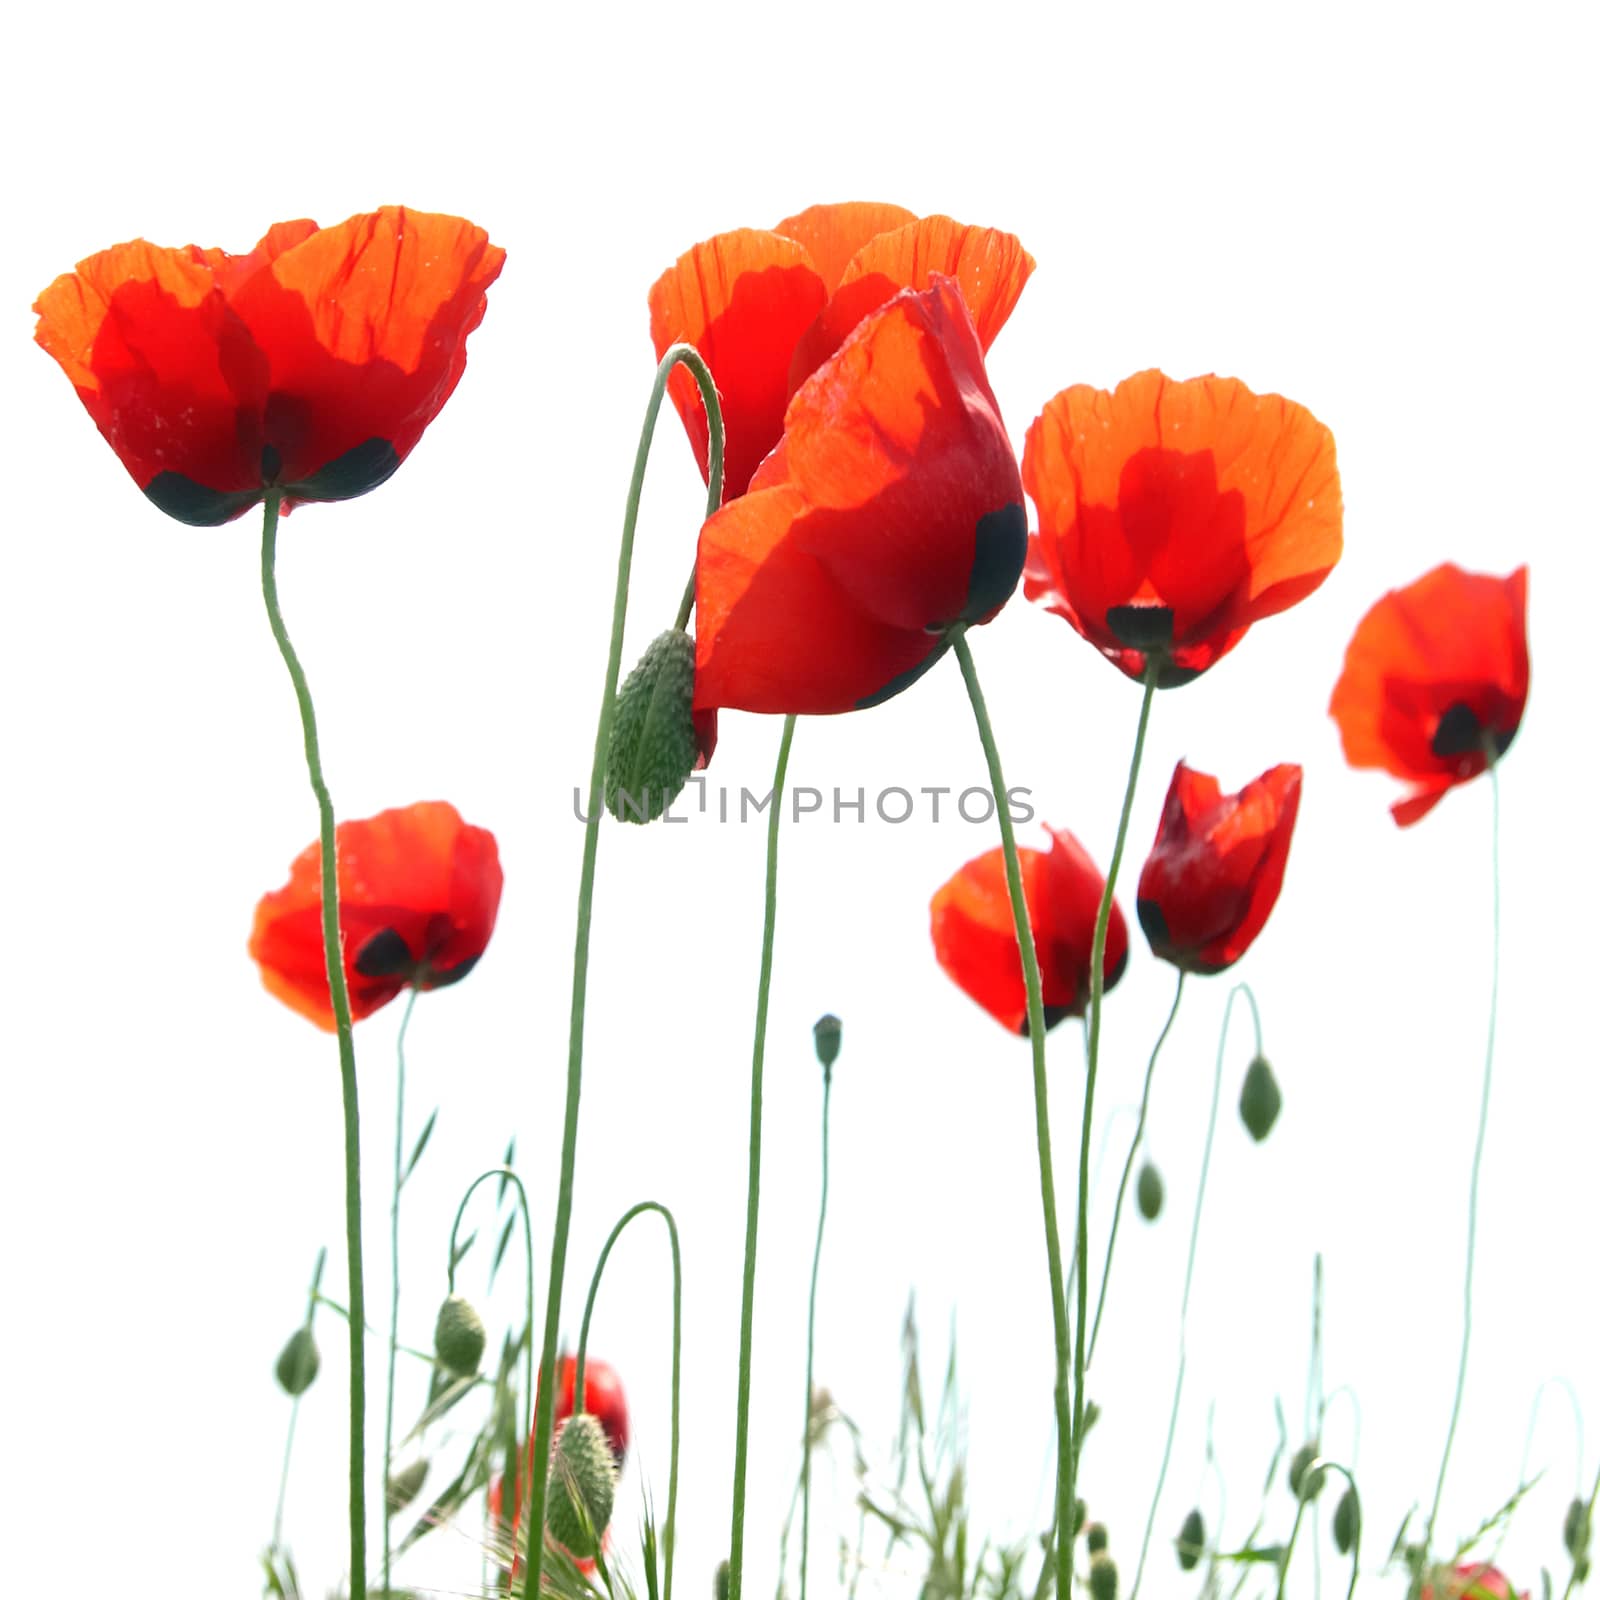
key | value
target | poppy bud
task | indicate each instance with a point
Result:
(1096, 1537)
(1191, 1541)
(298, 1363)
(1347, 1521)
(1091, 1415)
(1079, 1512)
(653, 745)
(826, 1031)
(720, 1586)
(1260, 1101)
(583, 1485)
(1301, 1486)
(458, 1337)
(1150, 1192)
(1103, 1578)
(403, 1485)
(1575, 1530)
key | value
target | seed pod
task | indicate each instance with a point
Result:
(403, 1485)
(1301, 1486)
(458, 1337)
(583, 1485)
(826, 1032)
(1347, 1521)
(653, 746)
(1260, 1100)
(1103, 1578)
(1191, 1541)
(1150, 1192)
(298, 1362)
(1575, 1530)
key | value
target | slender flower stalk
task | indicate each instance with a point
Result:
(1041, 1111)
(1317, 1467)
(1477, 1152)
(544, 1409)
(313, 1296)
(1572, 1577)
(394, 1268)
(741, 1440)
(334, 955)
(669, 1533)
(811, 1339)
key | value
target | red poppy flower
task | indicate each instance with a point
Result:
(1216, 867)
(766, 308)
(418, 894)
(975, 938)
(1435, 678)
(1472, 1580)
(891, 510)
(311, 365)
(1174, 515)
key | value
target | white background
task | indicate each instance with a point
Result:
(1381, 212)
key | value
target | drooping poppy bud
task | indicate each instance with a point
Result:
(458, 1337)
(1103, 1578)
(826, 1032)
(1150, 1192)
(1096, 1537)
(1304, 1484)
(1260, 1100)
(403, 1485)
(1575, 1530)
(298, 1363)
(1191, 1541)
(1347, 1521)
(654, 746)
(583, 1485)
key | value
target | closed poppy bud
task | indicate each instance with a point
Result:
(1103, 1578)
(1305, 1485)
(1096, 1537)
(1079, 1512)
(298, 1362)
(1260, 1100)
(654, 746)
(458, 1337)
(1150, 1192)
(720, 1586)
(583, 1485)
(1347, 1521)
(1191, 1541)
(403, 1485)
(1575, 1530)
(1091, 1415)
(826, 1031)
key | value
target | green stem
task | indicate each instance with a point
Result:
(669, 1534)
(545, 1407)
(1321, 1465)
(1041, 1112)
(394, 1269)
(333, 955)
(811, 1341)
(686, 604)
(1127, 1169)
(1477, 1159)
(1188, 1272)
(741, 1438)
(343, 1313)
(312, 1297)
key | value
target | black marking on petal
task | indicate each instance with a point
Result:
(271, 463)
(357, 471)
(194, 504)
(1154, 922)
(905, 679)
(1147, 628)
(998, 555)
(385, 955)
(443, 980)
(1052, 1015)
(1458, 733)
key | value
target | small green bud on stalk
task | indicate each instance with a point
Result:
(1575, 1530)
(1302, 1486)
(583, 1485)
(1103, 1578)
(1191, 1541)
(653, 746)
(1347, 1521)
(403, 1485)
(1260, 1100)
(720, 1587)
(826, 1031)
(458, 1337)
(1079, 1512)
(1150, 1192)
(1096, 1537)
(298, 1362)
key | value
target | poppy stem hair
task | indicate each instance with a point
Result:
(334, 956)
(1041, 1111)
(741, 1439)
(544, 1406)
(1188, 1271)
(394, 1266)
(1477, 1153)
(1127, 1170)
(668, 1533)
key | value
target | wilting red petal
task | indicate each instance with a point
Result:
(1216, 868)
(741, 299)
(1435, 676)
(832, 234)
(419, 891)
(1172, 516)
(890, 511)
(974, 936)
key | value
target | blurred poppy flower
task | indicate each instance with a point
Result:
(1174, 515)
(1435, 677)
(975, 938)
(765, 308)
(1472, 1580)
(310, 365)
(891, 511)
(418, 894)
(1216, 867)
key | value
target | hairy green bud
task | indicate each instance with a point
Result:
(298, 1362)
(826, 1031)
(1347, 1521)
(458, 1337)
(1096, 1537)
(1103, 1578)
(583, 1485)
(1191, 1541)
(1304, 1484)
(653, 746)
(403, 1485)
(1150, 1192)
(1260, 1100)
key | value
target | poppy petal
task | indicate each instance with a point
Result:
(832, 234)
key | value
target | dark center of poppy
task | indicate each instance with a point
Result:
(1147, 628)
(1052, 1016)
(1459, 732)
(385, 955)
(999, 551)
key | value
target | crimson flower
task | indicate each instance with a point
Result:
(890, 512)
(1435, 680)
(765, 308)
(310, 366)
(1174, 515)
(1216, 867)
(975, 938)
(1472, 1580)
(418, 893)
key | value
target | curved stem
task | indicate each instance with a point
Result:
(545, 1406)
(1041, 1112)
(811, 1341)
(1318, 1465)
(668, 1535)
(1127, 1169)
(1533, 1423)
(741, 1441)
(312, 1297)
(1477, 1160)
(1188, 1273)
(333, 955)
(394, 1269)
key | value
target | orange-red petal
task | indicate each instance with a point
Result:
(832, 234)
